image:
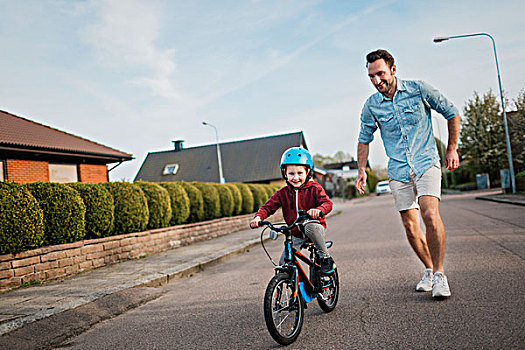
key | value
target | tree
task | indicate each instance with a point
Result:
(516, 123)
(483, 135)
(338, 157)
(343, 157)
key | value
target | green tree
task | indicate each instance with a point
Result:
(516, 125)
(483, 135)
(338, 157)
(342, 157)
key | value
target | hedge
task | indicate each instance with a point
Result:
(159, 204)
(247, 198)
(131, 207)
(64, 212)
(260, 196)
(196, 202)
(210, 196)
(100, 208)
(269, 190)
(226, 200)
(276, 188)
(21, 219)
(180, 202)
(237, 198)
(371, 180)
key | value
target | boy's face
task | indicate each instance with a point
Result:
(296, 175)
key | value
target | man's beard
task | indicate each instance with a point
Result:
(385, 87)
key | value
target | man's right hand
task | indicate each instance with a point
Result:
(360, 182)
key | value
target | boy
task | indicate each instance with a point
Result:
(301, 194)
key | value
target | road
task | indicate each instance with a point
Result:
(221, 307)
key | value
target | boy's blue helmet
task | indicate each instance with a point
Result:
(297, 156)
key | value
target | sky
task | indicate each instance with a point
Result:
(136, 75)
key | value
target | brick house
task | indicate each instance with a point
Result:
(30, 151)
(253, 160)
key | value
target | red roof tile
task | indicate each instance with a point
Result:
(20, 132)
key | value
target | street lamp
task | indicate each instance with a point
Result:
(509, 152)
(221, 178)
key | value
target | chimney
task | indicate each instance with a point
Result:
(178, 145)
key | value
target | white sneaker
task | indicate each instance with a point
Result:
(425, 285)
(440, 288)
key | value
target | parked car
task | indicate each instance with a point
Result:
(382, 187)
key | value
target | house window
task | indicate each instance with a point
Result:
(170, 169)
(2, 170)
(63, 173)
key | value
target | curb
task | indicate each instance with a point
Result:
(501, 200)
(21, 333)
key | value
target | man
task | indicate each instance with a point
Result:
(401, 110)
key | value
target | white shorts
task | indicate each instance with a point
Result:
(406, 194)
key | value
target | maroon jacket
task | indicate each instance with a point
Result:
(310, 196)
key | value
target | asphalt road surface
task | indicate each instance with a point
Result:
(221, 307)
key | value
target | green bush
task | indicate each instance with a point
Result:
(226, 199)
(210, 196)
(180, 202)
(269, 190)
(259, 196)
(64, 212)
(520, 174)
(247, 198)
(159, 204)
(131, 207)
(196, 202)
(276, 188)
(371, 180)
(21, 219)
(100, 209)
(237, 198)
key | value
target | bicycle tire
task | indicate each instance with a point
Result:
(331, 293)
(279, 304)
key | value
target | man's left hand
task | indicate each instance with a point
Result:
(451, 159)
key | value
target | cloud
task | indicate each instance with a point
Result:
(124, 34)
(275, 59)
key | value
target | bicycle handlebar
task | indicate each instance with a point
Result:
(302, 216)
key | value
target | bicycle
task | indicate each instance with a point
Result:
(291, 289)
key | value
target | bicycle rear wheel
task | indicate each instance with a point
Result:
(283, 313)
(330, 292)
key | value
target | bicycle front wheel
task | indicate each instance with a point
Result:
(283, 312)
(330, 293)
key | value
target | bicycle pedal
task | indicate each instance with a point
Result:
(320, 295)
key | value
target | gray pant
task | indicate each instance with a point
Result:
(316, 233)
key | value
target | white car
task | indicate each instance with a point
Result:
(382, 187)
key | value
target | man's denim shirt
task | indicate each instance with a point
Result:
(406, 126)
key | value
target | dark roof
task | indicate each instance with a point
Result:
(254, 160)
(20, 135)
(351, 164)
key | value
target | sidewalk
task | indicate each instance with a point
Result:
(42, 315)
(516, 199)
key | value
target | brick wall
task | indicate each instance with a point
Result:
(23, 171)
(92, 173)
(51, 262)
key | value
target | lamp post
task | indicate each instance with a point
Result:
(509, 152)
(221, 178)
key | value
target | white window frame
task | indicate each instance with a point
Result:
(168, 171)
(69, 172)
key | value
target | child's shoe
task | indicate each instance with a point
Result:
(327, 265)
